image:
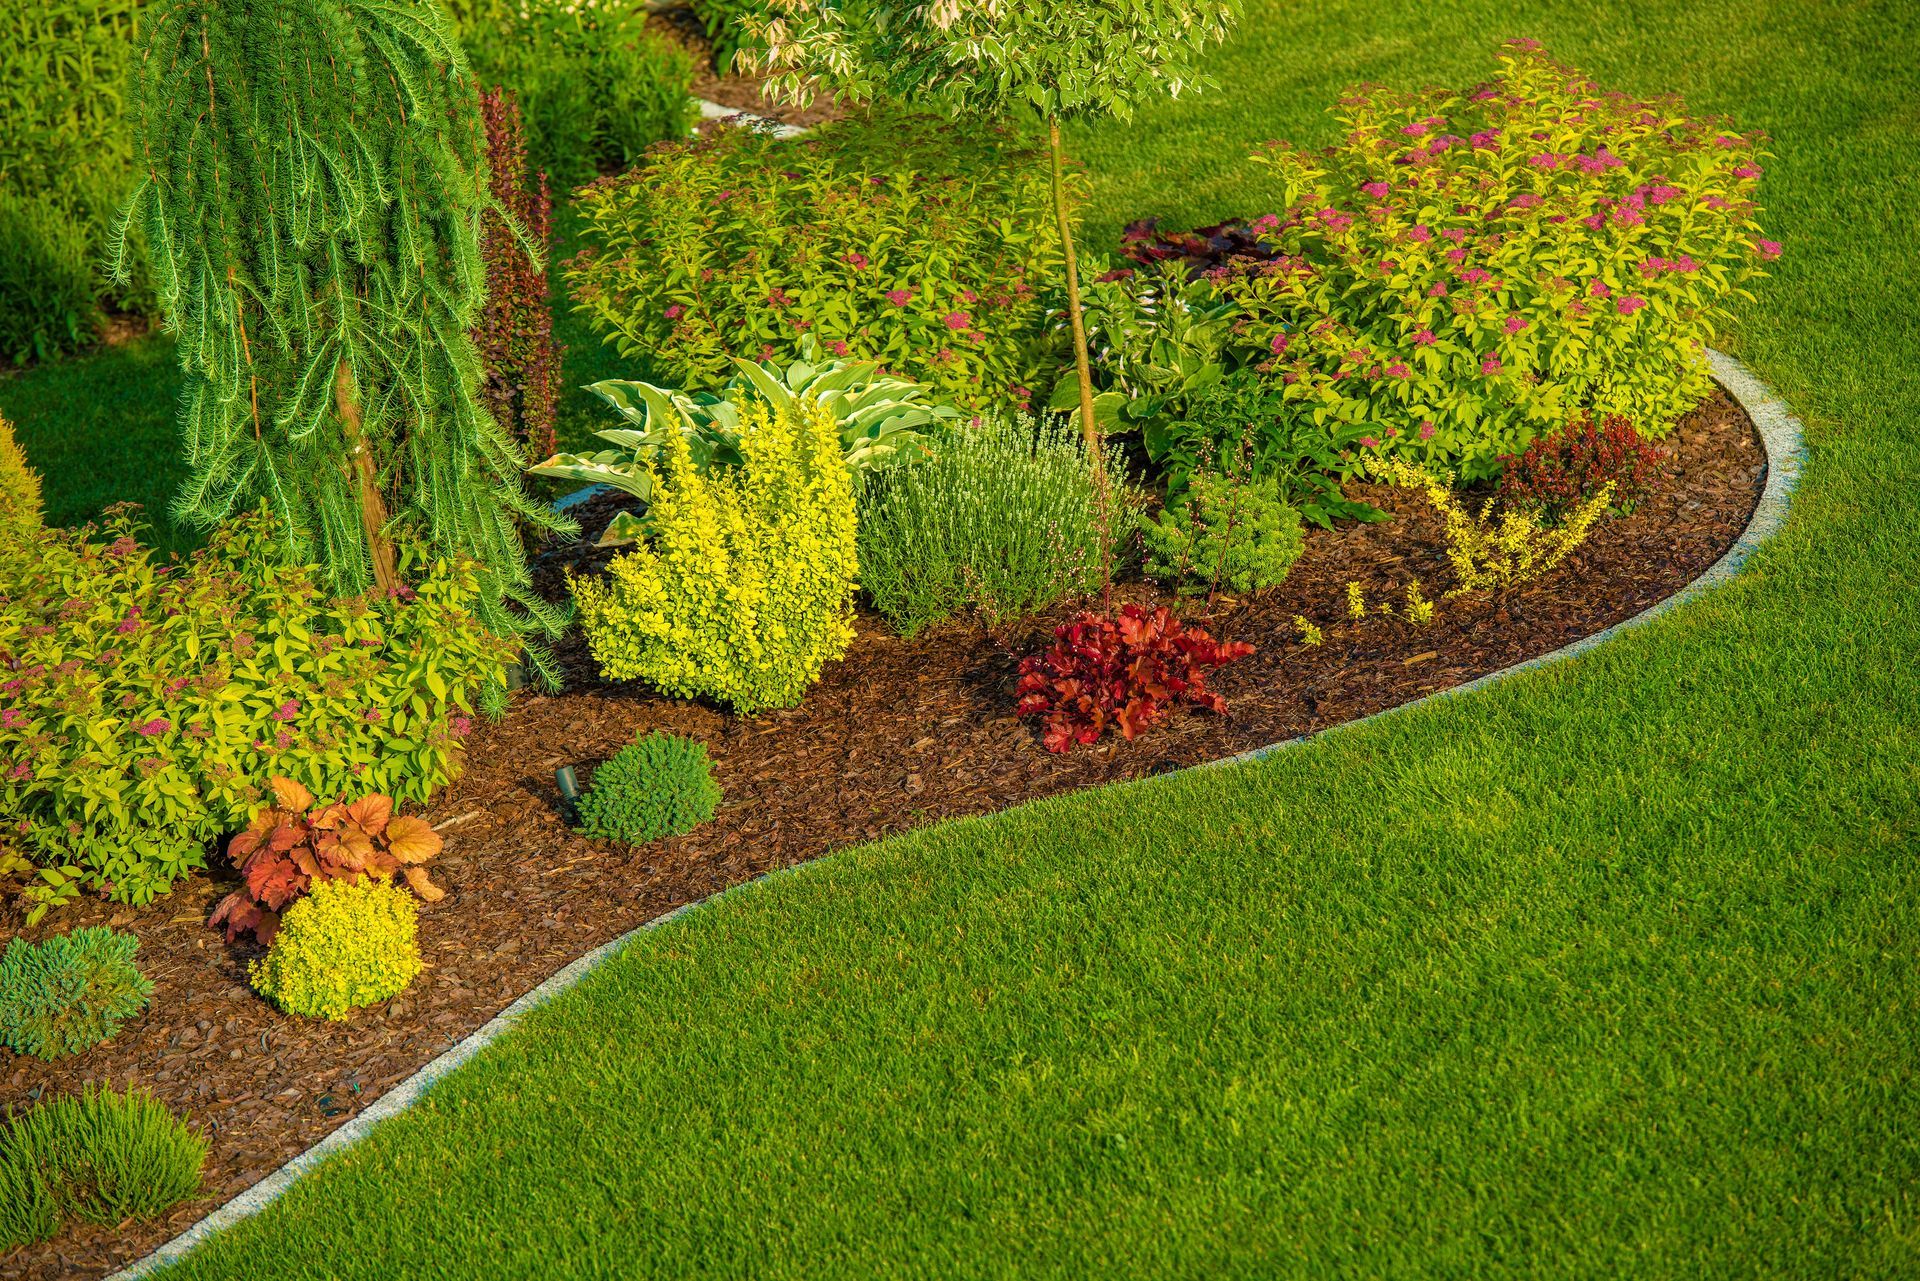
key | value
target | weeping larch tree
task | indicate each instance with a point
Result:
(314, 179)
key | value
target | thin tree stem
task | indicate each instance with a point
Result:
(1082, 365)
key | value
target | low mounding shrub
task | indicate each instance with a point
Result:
(1120, 672)
(141, 704)
(514, 335)
(742, 589)
(99, 1156)
(898, 240)
(291, 843)
(1226, 531)
(1560, 472)
(1465, 270)
(346, 944)
(596, 87)
(20, 512)
(69, 993)
(658, 785)
(1003, 521)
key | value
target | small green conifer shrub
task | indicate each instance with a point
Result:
(658, 785)
(1224, 532)
(70, 992)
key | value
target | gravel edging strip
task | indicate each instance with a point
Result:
(1781, 438)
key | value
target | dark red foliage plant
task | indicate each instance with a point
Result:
(515, 330)
(1560, 471)
(1121, 671)
(294, 842)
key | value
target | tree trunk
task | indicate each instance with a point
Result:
(1083, 366)
(373, 510)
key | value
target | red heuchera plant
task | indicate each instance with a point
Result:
(515, 329)
(1561, 471)
(290, 844)
(1123, 671)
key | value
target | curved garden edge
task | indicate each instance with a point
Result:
(1781, 438)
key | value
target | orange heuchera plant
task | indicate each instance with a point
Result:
(292, 843)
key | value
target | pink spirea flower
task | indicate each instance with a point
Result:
(858, 261)
(1438, 289)
(1378, 190)
(1747, 171)
(1490, 364)
(1456, 255)
(461, 726)
(158, 725)
(287, 710)
(1545, 160)
(1420, 233)
(837, 347)
(1628, 304)
(1769, 249)
(1398, 370)
(12, 719)
(1426, 430)
(1525, 200)
(20, 771)
(1424, 338)
(1486, 140)
(1473, 276)
(1417, 129)
(1369, 442)
(675, 312)
(1266, 222)
(1514, 324)
(1280, 343)
(1716, 202)
(1598, 288)
(899, 297)
(957, 320)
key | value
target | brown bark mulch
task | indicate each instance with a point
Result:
(899, 734)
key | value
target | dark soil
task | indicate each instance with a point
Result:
(899, 734)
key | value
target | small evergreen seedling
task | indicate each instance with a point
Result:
(659, 785)
(101, 1156)
(69, 993)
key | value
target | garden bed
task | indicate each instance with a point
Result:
(899, 734)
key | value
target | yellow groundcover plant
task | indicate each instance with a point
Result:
(742, 589)
(1488, 551)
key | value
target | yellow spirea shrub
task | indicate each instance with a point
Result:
(19, 485)
(345, 945)
(1492, 551)
(742, 589)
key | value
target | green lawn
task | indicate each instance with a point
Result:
(1613, 969)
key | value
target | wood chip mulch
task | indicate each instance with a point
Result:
(898, 735)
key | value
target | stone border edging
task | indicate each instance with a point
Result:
(1781, 439)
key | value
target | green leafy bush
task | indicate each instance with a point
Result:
(879, 421)
(742, 589)
(100, 1156)
(1002, 522)
(658, 785)
(142, 705)
(899, 240)
(69, 993)
(1226, 531)
(1467, 269)
(597, 88)
(344, 945)
(65, 164)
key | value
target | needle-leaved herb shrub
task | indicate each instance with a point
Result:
(1225, 532)
(100, 1156)
(597, 87)
(1002, 521)
(896, 239)
(658, 785)
(742, 589)
(346, 944)
(143, 706)
(70, 992)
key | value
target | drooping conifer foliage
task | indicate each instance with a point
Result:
(312, 194)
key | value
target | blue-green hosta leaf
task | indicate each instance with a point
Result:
(610, 467)
(625, 527)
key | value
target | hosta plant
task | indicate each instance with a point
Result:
(880, 419)
(345, 945)
(1560, 472)
(70, 992)
(1120, 671)
(296, 842)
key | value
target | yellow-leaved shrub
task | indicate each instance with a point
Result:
(742, 589)
(19, 485)
(345, 945)
(1493, 551)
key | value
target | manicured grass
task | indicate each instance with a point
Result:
(1613, 969)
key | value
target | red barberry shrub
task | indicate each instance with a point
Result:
(294, 842)
(1560, 471)
(1126, 671)
(515, 330)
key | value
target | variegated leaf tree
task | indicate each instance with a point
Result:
(1063, 59)
(313, 180)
